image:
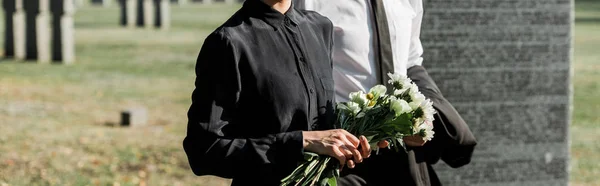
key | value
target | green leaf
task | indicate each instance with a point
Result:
(309, 156)
(332, 181)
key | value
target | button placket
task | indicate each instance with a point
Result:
(303, 69)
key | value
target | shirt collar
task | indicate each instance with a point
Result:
(260, 10)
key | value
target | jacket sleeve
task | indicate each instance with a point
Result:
(209, 148)
(453, 141)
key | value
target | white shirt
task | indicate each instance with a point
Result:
(353, 53)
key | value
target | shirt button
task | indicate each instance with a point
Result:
(302, 59)
(312, 91)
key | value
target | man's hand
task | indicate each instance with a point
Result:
(336, 143)
(414, 141)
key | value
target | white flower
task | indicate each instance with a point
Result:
(378, 91)
(416, 97)
(426, 130)
(428, 110)
(353, 107)
(398, 79)
(360, 98)
(398, 92)
(399, 106)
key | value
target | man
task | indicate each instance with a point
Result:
(263, 87)
(372, 38)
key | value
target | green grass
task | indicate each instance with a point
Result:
(585, 141)
(56, 120)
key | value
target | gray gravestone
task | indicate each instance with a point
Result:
(162, 14)
(43, 32)
(19, 30)
(104, 3)
(63, 45)
(128, 13)
(32, 8)
(131, 12)
(149, 13)
(9, 10)
(505, 65)
(134, 117)
(145, 13)
(179, 2)
(68, 32)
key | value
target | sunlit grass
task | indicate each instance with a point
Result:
(58, 122)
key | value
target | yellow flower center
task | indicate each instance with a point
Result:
(370, 96)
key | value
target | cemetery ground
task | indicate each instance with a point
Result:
(585, 128)
(56, 120)
(58, 123)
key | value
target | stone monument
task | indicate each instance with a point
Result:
(162, 14)
(148, 13)
(19, 30)
(105, 3)
(134, 117)
(179, 2)
(145, 13)
(43, 32)
(128, 13)
(63, 42)
(505, 65)
(9, 44)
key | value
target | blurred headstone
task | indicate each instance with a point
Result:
(128, 12)
(134, 117)
(63, 44)
(148, 13)
(105, 3)
(162, 14)
(9, 44)
(179, 2)
(131, 11)
(32, 9)
(19, 30)
(505, 65)
(43, 32)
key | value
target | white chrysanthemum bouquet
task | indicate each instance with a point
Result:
(380, 114)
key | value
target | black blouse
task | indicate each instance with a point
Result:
(262, 78)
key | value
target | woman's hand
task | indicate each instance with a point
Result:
(336, 143)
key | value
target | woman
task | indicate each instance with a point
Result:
(263, 85)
